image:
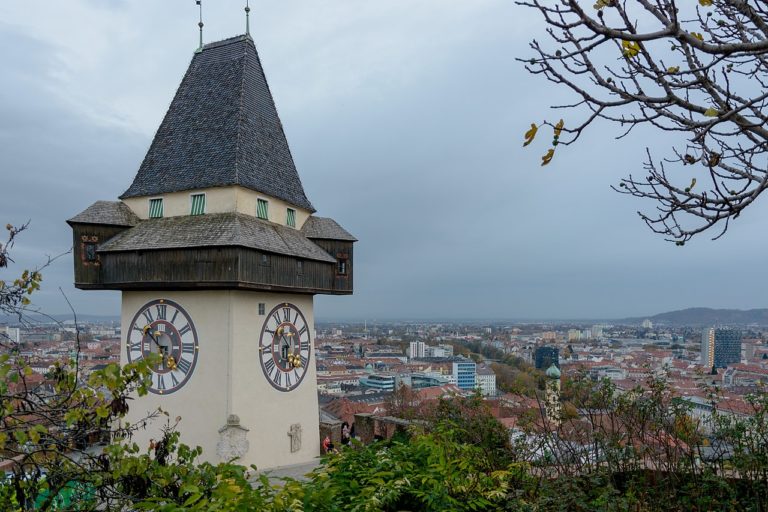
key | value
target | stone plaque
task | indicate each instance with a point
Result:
(233, 442)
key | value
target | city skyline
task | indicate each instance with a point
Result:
(454, 218)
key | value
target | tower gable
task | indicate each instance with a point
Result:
(221, 129)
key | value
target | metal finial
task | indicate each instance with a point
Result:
(247, 18)
(200, 24)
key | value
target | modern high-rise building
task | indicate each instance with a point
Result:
(464, 373)
(417, 349)
(545, 357)
(720, 347)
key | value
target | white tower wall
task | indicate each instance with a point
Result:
(228, 380)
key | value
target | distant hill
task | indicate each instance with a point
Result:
(707, 316)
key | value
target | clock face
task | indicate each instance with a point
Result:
(284, 347)
(163, 327)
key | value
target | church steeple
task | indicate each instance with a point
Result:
(222, 129)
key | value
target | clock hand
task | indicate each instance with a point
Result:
(170, 362)
(148, 332)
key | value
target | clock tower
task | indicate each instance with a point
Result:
(218, 253)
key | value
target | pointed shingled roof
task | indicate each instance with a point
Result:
(221, 129)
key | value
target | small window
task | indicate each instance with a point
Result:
(262, 209)
(90, 252)
(342, 267)
(264, 259)
(299, 267)
(198, 204)
(290, 219)
(155, 208)
(262, 308)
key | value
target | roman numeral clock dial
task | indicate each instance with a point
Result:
(284, 347)
(162, 327)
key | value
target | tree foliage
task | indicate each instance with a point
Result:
(697, 68)
(67, 446)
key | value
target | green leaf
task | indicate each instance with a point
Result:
(21, 436)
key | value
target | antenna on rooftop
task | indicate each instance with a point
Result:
(200, 24)
(247, 18)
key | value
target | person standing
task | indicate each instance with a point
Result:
(345, 433)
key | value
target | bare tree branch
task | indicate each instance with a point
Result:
(696, 68)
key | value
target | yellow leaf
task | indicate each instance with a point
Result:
(559, 128)
(530, 134)
(711, 112)
(673, 69)
(698, 35)
(631, 48)
(547, 157)
(705, 3)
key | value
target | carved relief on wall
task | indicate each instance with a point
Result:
(295, 434)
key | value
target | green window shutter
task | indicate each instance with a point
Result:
(198, 204)
(155, 208)
(291, 218)
(261, 209)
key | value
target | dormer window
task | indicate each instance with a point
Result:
(290, 218)
(262, 209)
(156, 208)
(198, 204)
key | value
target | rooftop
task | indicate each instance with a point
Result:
(216, 230)
(222, 129)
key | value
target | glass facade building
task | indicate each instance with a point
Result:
(380, 382)
(720, 347)
(465, 373)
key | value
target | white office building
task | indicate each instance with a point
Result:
(10, 335)
(485, 381)
(417, 349)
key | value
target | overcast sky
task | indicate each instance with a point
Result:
(405, 119)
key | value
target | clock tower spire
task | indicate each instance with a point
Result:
(218, 253)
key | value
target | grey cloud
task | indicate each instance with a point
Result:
(420, 159)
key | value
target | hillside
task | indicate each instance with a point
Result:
(708, 316)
